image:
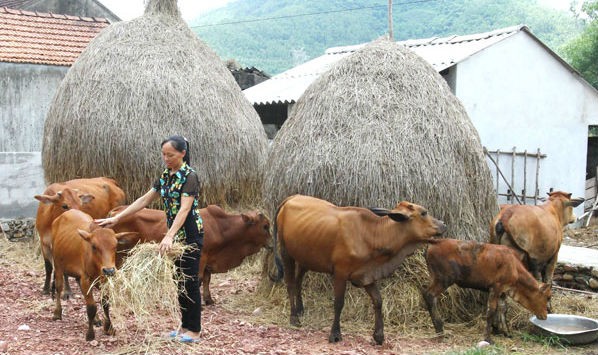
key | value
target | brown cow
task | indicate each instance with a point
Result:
(487, 267)
(95, 196)
(87, 252)
(351, 243)
(228, 238)
(536, 232)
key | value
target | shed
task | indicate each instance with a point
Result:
(36, 52)
(531, 109)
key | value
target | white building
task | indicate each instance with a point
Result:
(531, 109)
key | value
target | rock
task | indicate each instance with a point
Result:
(94, 343)
(568, 277)
(595, 273)
(593, 283)
(257, 311)
(483, 344)
(581, 280)
(24, 327)
(3, 346)
(569, 268)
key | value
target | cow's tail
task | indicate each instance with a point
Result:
(277, 260)
(499, 230)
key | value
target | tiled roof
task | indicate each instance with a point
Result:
(441, 53)
(17, 4)
(40, 38)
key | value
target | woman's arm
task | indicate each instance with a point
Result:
(179, 220)
(139, 204)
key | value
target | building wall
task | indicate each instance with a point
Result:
(518, 95)
(26, 91)
(21, 177)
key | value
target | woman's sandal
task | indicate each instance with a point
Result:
(187, 339)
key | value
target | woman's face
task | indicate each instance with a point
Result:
(173, 159)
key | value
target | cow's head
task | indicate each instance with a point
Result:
(103, 242)
(567, 203)
(414, 217)
(258, 227)
(66, 199)
(535, 300)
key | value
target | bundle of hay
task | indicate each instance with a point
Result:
(383, 126)
(145, 287)
(139, 82)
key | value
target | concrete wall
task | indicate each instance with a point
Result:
(518, 95)
(21, 177)
(82, 8)
(26, 91)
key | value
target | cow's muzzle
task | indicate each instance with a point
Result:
(441, 227)
(108, 271)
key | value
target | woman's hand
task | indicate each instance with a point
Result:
(107, 222)
(166, 243)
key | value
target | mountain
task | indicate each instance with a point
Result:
(275, 35)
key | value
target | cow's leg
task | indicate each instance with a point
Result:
(431, 297)
(547, 276)
(207, 296)
(501, 326)
(290, 281)
(299, 281)
(58, 285)
(493, 299)
(372, 290)
(96, 321)
(67, 289)
(92, 308)
(108, 329)
(340, 286)
(48, 267)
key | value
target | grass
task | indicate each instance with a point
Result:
(552, 341)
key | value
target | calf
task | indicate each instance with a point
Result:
(228, 238)
(95, 196)
(87, 252)
(351, 243)
(488, 267)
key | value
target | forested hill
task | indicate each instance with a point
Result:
(275, 35)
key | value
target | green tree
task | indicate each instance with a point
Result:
(582, 52)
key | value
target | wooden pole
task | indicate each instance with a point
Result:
(524, 192)
(513, 193)
(390, 35)
(537, 188)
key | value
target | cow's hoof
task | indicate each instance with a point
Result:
(90, 336)
(45, 291)
(66, 296)
(208, 301)
(335, 338)
(379, 339)
(57, 317)
(295, 321)
(109, 330)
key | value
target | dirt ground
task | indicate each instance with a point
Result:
(26, 325)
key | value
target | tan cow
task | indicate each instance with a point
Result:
(83, 250)
(536, 232)
(95, 196)
(351, 243)
(486, 267)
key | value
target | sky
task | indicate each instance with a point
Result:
(190, 9)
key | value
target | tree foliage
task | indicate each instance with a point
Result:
(274, 35)
(582, 52)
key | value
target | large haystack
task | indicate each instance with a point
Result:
(380, 127)
(139, 82)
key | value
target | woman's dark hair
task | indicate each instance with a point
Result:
(181, 144)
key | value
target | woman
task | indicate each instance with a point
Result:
(179, 188)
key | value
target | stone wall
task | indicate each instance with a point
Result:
(576, 277)
(21, 178)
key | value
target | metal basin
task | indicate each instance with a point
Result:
(569, 328)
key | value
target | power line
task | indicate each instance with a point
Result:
(311, 13)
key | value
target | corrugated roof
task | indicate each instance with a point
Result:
(40, 38)
(441, 53)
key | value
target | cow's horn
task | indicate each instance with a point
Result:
(379, 211)
(575, 201)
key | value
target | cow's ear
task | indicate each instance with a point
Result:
(127, 238)
(247, 219)
(84, 234)
(46, 199)
(379, 211)
(86, 198)
(398, 217)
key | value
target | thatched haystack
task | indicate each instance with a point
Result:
(139, 82)
(379, 127)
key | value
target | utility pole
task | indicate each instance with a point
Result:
(390, 36)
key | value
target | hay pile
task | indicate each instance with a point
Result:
(139, 82)
(379, 127)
